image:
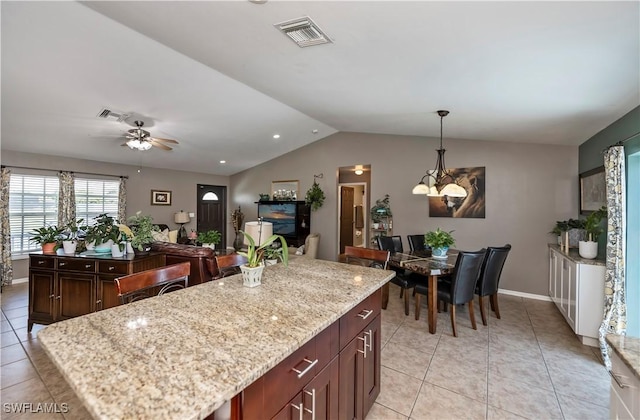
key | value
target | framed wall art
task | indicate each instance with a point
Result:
(472, 206)
(160, 198)
(593, 190)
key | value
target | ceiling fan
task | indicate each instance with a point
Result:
(140, 139)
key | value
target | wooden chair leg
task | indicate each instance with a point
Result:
(453, 320)
(401, 292)
(406, 302)
(494, 304)
(472, 315)
(417, 306)
(483, 312)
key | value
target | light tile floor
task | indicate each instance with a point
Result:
(526, 365)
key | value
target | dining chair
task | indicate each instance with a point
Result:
(141, 285)
(416, 243)
(460, 288)
(229, 264)
(490, 277)
(406, 280)
(366, 257)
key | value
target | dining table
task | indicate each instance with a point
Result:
(423, 263)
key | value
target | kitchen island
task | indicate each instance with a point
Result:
(183, 354)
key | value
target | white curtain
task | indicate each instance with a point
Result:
(615, 309)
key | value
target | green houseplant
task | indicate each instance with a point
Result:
(381, 209)
(439, 241)
(252, 270)
(315, 197)
(209, 238)
(101, 232)
(70, 236)
(142, 228)
(593, 228)
(47, 237)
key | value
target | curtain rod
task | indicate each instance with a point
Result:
(621, 142)
(57, 170)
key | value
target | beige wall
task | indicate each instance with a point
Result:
(139, 185)
(529, 187)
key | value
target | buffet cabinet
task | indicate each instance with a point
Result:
(63, 287)
(335, 375)
(624, 402)
(576, 286)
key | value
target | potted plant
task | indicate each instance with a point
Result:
(142, 228)
(315, 197)
(252, 270)
(439, 241)
(102, 234)
(272, 254)
(70, 236)
(209, 238)
(573, 226)
(47, 237)
(589, 247)
(380, 210)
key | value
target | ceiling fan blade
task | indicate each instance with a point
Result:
(165, 140)
(124, 144)
(159, 145)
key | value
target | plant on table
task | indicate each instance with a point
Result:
(592, 224)
(142, 228)
(209, 237)
(439, 239)
(47, 235)
(102, 230)
(255, 254)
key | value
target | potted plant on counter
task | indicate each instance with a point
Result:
(70, 236)
(209, 238)
(47, 237)
(142, 228)
(252, 270)
(440, 241)
(102, 234)
(589, 247)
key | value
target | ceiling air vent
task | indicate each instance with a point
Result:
(303, 31)
(109, 114)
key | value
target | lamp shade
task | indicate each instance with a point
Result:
(181, 217)
(421, 188)
(453, 190)
(259, 231)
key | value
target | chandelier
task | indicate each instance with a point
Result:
(440, 180)
(139, 144)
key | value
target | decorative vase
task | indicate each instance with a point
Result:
(49, 248)
(238, 242)
(251, 276)
(212, 246)
(116, 252)
(588, 249)
(439, 253)
(69, 247)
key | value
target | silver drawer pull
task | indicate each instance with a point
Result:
(62, 264)
(87, 266)
(368, 345)
(300, 408)
(301, 373)
(366, 313)
(52, 296)
(111, 268)
(313, 403)
(364, 347)
(98, 302)
(617, 379)
(41, 262)
(58, 297)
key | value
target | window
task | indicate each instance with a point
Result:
(94, 197)
(33, 203)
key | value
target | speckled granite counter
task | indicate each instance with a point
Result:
(574, 256)
(181, 355)
(628, 348)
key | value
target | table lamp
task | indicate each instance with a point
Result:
(181, 218)
(260, 231)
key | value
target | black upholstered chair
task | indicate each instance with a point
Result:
(459, 290)
(416, 242)
(406, 280)
(490, 277)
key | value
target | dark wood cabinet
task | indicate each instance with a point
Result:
(63, 287)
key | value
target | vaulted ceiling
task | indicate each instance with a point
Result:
(222, 80)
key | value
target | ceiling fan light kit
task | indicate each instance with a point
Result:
(140, 139)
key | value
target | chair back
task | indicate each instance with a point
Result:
(416, 242)
(141, 285)
(492, 269)
(229, 265)
(311, 244)
(390, 243)
(464, 282)
(366, 257)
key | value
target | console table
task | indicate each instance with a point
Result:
(65, 286)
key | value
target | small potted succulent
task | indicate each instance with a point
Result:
(252, 270)
(209, 238)
(440, 241)
(47, 237)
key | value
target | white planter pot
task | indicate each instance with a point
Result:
(104, 247)
(90, 245)
(212, 246)
(69, 247)
(251, 276)
(115, 251)
(588, 249)
(271, 262)
(129, 248)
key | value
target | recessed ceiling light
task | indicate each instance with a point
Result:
(359, 171)
(223, 161)
(276, 136)
(314, 131)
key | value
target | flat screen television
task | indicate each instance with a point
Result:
(282, 215)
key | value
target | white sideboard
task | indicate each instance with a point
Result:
(576, 286)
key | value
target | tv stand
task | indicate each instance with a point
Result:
(296, 211)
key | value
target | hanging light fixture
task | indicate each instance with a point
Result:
(440, 180)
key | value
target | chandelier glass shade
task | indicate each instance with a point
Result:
(440, 181)
(139, 144)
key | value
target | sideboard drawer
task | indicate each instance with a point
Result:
(113, 267)
(359, 317)
(76, 265)
(42, 262)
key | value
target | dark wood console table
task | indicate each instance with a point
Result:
(65, 286)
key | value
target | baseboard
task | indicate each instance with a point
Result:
(21, 280)
(524, 295)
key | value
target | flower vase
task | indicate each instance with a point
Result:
(439, 253)
(251, 276)
(69, 247)
(238, 242)
(116, 252)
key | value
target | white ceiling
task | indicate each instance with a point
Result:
(218, 77)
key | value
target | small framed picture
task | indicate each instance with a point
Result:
(160, 198)
(593, 190)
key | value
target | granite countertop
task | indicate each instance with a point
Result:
(181, 355)
(628, 348)
(574, 256)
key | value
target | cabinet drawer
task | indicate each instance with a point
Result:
(76, 265)
(359, 317)
(113, 267)
(41, 262)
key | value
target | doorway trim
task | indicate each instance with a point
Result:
(365, 210)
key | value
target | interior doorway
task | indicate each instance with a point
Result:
(212, 205)
(353, 202)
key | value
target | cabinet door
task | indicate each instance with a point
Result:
(76, 295)
(557, 293)
(320, 396)
(351, 368)
(572, 296)
(294, 410)
(106, 293)
(41, 296)
(371, 365)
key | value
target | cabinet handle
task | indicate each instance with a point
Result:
(111, 268)
(300, 408)
(62, 264)
(57, 297)
(617, 379)
(52, 296)
(41, 262)
(98, 301)
(368, 345)
(87, 266)
(366, 313)
(313, 403)
(301, 373)
(364, 347)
